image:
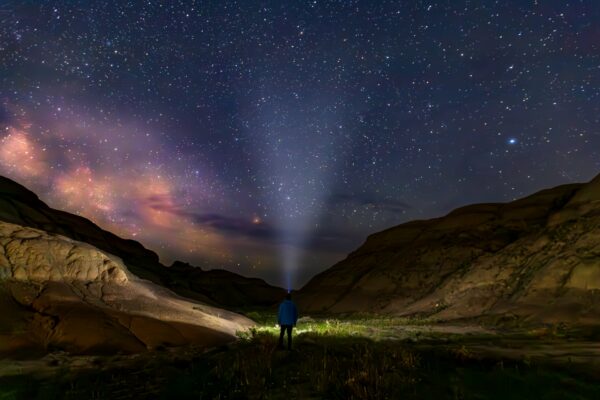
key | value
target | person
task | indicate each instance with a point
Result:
(287, 318)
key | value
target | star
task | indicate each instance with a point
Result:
(290, 132)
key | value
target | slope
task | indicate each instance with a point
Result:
(57, 293)
(537, 259)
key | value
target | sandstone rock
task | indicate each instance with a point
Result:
(65, 294)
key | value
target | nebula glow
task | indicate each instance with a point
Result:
(139, 199)
(20, 156)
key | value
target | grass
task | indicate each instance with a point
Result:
(353, 325)
(332, 359)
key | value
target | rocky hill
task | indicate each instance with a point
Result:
(20, 206)
(535, 259)
(57, 293)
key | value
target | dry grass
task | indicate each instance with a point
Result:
(320, 365)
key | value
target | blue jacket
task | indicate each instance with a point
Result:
(288, 313)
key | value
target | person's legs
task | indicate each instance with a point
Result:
(289, 335)
(281, 333)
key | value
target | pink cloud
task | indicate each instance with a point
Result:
(20, 155)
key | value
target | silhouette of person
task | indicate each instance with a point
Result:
(287, 318)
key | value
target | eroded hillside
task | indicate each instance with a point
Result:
(57, 293)
(537, 258)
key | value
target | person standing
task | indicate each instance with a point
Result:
(287, 318)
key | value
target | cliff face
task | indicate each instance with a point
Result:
(22, 207)
(537, 258)
(57, 293)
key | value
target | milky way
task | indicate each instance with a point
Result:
(274, 136)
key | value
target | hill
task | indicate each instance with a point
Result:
(535, 259)
(57, 293)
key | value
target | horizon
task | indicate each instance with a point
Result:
(270, 140)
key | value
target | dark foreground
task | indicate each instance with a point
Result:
(326, 363)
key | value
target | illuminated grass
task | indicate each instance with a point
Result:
(321, 328)
(357, 325)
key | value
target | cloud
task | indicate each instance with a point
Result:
(218, 222)
(367, 201)
(237, 225)
(21, 155)
(332, 240)
(321, 239)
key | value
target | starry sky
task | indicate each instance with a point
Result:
(271, 137)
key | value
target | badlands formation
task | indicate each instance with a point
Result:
(536, 259)
(57, 293)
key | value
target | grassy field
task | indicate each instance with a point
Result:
(353, 358)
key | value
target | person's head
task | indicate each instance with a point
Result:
(288, 296)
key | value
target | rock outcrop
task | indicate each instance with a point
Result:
(20, 206)
(58, 293)
(536, 259)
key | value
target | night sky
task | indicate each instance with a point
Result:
(271, 137)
